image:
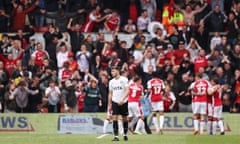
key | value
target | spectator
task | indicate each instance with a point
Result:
(35, 101)
(83, 58)
(5, 45)
(39, 14)
(53, 94)
(129, 27)
(193, 47)
(64, 73)
(21, 95)
(76, 35)
(103, 87)
(10, 62)
(200, 61)
(215, 20)
(4, 20)
(233, 27)
(184, 96)
(30, 49)
(215, 40)
(62, 56)
(10, 104)
(112, 22)
(40, 54)
(93, 19)
(70, 97)
(19, 15)
(143, 21)
(180, 54)
(151, 7)
(92, 100)
(51, 7)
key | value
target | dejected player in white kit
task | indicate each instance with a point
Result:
(134, 106)
(200, 89)
(156, 89)
(117, 101)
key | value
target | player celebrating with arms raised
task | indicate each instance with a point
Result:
(156, 88)
(200, 89)
(117, 101)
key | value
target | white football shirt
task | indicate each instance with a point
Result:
(118, 88)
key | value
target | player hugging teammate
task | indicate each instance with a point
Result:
(206, 101)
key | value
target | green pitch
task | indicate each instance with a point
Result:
(7, 138)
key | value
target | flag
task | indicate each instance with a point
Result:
(170, 9)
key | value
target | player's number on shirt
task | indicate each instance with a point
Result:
(134, 93)
(201, 89)
(157, 90)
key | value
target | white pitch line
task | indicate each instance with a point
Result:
(102, 136)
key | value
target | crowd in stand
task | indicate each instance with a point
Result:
(70, 71)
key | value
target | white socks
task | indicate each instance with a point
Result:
(202, 123)
(196, 124)
(155, 122)
(161, 121)
(209, 126)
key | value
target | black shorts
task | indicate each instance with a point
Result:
(120, 110)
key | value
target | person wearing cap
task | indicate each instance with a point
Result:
(117, 101)
(53, 94)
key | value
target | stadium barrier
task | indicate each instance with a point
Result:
(85, 123)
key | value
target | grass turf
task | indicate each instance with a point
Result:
(26, 138)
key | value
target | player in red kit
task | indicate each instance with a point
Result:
(134, 108)
(200, 90)
(156, 89)
(217, 106)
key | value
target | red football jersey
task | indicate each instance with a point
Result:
(39, 57)
(113, 22)
(135, 91)
(217, 98)
(200, 62)
(200, 86)
(156, 86)
(66, 74)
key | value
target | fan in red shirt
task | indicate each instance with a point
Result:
(92, 19)
(73, 66)
(200, 61)
(112, 22)
(9, 62)
(134, 108)
(156, 87)
(65, 73)
(180, 54)
(19, 14)
(40, 54)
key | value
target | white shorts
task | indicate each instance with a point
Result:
(200, 108)
(217, 112)
(134, 109)
(210, 110)
(157, 106)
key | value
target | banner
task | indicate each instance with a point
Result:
(85, 123)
